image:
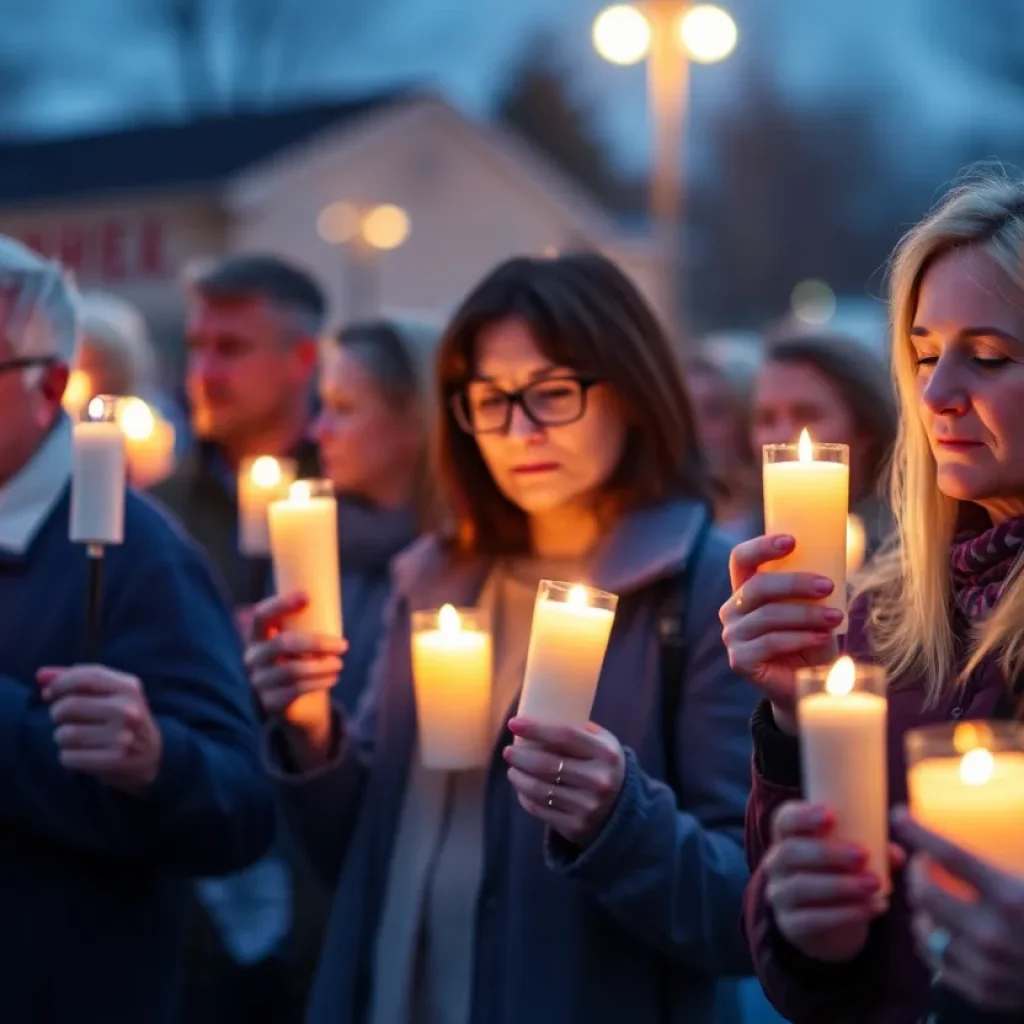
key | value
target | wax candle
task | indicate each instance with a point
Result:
(98, 475)
(966, 782)
(856, 544)
(842, 719)
(807, 495)
(451, 671)
(568, 639)
(261, 480)
(149, 442)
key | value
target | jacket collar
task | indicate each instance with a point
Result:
(27, 499)
(645, 546)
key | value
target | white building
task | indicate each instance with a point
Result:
(128, 211)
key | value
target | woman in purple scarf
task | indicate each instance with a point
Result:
(943, 612)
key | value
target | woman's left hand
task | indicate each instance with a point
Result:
(974, 938)
(567, 778)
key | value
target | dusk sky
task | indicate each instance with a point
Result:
(892, 52)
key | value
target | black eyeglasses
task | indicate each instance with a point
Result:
(25, 363)
(482, 408)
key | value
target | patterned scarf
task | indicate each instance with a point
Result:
(980, 564)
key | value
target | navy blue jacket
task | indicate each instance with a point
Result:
(92, 880)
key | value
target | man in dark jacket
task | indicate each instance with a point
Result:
(253, 327)
(124, 775)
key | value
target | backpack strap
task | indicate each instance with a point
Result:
(673, 603)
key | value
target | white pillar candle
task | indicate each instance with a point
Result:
(98, 476)
(451, 671)
(966, 782)
(568, 639)
(842, 719)
(807, 495)
(149, 442)
(856, 544)
(261, 480)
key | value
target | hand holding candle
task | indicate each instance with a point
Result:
(451, 668)
(568, 639)
(807, 497)
(261, 480)
(842, 717)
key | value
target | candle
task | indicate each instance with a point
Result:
(451, 671)
(966, 782)
(856, 543)
(842, 716)
(261, 480)
(149, 440)
(98, 475)
(77, 392)
(807, 495)
(568, 639)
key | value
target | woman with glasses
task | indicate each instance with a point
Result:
(590, 874)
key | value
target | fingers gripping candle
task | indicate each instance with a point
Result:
(842, 717)
(807, 496)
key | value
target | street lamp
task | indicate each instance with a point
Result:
(364, 235)
(669, 33)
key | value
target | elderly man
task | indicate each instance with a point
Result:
(123, 777)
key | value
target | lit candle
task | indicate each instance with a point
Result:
(966, 782)
(451, 671)
(856, 543)
(149, 440)
(77, 392)
(98, 475)
(842, 717)
(568, 639)
(261, 480)
(807, 495)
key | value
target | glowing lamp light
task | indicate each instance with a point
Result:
(338, 223)
(622, 35)
(77, 392)
(813, 303)
(708, 33)
(841, 678)
(266, 472)
(386, 227)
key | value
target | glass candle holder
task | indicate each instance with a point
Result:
(807, 496)
(261, 480)
(98, 474)
(966, 782)
(451, 670)
(841, 711)
(568, 640)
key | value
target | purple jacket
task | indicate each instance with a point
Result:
(886, 983)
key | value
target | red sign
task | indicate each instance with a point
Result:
(109, 250)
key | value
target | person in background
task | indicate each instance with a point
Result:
(253, 324)
(373, 430)
(841, 392)
(721, 402)
(596, 873)
(942, 613)
(123, 775)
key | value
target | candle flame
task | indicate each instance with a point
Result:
(96, 408)
(977, 767)
(77, 392)
(577, 596)
(300, 491)
(969, 735)
(841, 677)
(266, 472)
(448, 620)
(136, 419)
(805, 451)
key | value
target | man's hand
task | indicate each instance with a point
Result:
(103, 725)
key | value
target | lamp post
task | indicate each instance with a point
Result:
(364, 233)
(670, 34)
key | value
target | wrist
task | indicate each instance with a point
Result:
(785, 720)
(311, 742)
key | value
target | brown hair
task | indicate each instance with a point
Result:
(585, 314)
(863, 381)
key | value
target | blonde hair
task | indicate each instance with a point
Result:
(911, 612)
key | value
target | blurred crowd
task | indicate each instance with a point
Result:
(180, 844)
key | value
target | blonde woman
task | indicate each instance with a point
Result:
(945, 616)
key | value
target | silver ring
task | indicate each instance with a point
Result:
(558, 774)
(551, 797)
(737, 599)
(937, 945)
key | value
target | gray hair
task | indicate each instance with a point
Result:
(43, 320)
(117, 331)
